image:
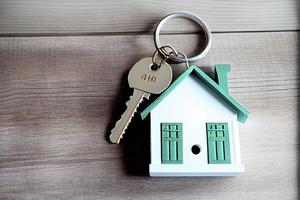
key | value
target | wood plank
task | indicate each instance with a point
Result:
(95, 17)
(60, 95)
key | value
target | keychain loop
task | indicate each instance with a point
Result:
(186, 59)
(166, 53)
(192, 17)
(166, 56)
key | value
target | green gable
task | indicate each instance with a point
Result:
(242, 113)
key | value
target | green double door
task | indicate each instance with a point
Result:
(171, 142)
(218, 143)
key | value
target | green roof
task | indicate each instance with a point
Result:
(242, 113)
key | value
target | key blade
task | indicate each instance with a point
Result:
(121, 125)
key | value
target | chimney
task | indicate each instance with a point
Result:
(222, 70)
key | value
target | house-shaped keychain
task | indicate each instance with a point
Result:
(194, 127)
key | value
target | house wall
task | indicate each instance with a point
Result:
(193, 104)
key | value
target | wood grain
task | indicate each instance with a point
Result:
(98, 17)
(59, 97)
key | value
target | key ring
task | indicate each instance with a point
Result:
(192, 17)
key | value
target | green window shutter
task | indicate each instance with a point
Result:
(171, 143)
(218, 143)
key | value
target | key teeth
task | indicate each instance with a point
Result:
(123, 132)
(134, 111)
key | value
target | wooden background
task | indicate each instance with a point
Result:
(63, 67)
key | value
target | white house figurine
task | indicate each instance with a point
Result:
(194, 127)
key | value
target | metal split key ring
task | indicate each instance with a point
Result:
(183, 58)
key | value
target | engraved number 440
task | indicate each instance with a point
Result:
(149, 78)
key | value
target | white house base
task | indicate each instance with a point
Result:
(195, 170)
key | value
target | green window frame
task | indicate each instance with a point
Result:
(218, 146)
(171, 143)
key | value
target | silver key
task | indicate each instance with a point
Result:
(144, 81)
